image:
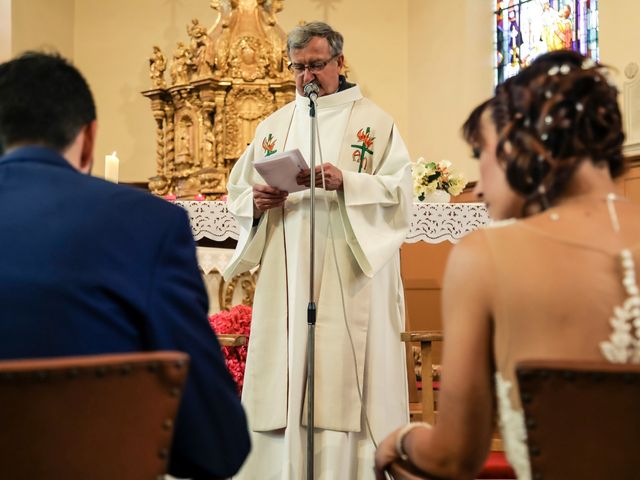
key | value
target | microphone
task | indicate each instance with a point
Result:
(311, 90)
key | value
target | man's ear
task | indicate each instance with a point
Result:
(88, 144)
(340, 60)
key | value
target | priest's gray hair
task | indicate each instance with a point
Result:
(300, 37)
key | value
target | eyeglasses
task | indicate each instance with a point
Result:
(314, 67)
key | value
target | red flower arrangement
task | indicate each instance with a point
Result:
(235, 321)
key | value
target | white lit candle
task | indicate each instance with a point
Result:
(111, 166)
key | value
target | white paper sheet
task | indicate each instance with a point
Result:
(280, 170)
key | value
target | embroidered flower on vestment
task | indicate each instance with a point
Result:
(269, 145)
(362, 147)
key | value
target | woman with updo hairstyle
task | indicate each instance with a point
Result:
(555, 114)
(544, 281)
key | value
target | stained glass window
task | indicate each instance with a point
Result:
(528, 28)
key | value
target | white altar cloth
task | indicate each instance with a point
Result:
(431, 223)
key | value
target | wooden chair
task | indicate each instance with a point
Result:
(422, 405)
(94, 417)
(582, 419)
(231, 339)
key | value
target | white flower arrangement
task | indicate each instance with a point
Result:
(431, 176)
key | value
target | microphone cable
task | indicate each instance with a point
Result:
(344, 308)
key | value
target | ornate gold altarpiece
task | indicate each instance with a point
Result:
(221, 84)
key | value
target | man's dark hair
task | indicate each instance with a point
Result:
(44, 100)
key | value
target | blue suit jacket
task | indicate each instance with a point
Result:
(90, 267)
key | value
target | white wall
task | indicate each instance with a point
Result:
(619, 40)
(113, 41)
(450, 51)
(43, 25)
(619, 33)
(5, 30)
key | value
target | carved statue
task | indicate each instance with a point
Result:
(209, 147)
(278, 52)
(218, 131)
(182, 64)
(157, 66)
(276, 6)
(222, 52)
(159, 185)
(222, 82)
(183, 150)
(248, 59)
(201, 49)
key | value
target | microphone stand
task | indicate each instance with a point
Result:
(311, 309)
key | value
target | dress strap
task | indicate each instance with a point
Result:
(613, 214)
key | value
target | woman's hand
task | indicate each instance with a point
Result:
(388, 458)
(386, 455)
(398, 472)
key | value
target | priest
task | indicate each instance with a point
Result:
(363, 209)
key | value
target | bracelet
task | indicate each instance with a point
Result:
(402, 433)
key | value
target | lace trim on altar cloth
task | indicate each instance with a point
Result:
(512, 427)
(445, 222)
(623, 345)
(211, 220)
(430, 222)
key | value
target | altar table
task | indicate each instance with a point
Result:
(431, 223)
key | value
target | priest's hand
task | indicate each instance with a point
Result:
(266, 198)
(332, 177)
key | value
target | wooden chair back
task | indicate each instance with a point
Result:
(426, 408)
(99, 417)
(582, 419)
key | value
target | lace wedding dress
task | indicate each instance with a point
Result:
(558, 286)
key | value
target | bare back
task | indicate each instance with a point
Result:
(557, 279)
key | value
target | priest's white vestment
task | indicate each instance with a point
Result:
(368, 220)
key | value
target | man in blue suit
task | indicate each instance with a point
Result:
(90, 267)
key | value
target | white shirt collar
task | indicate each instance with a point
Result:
(327, 101)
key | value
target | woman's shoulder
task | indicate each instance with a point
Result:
(472, 253)
(479, 252)
(481, 239)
